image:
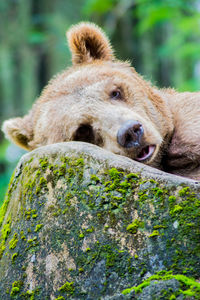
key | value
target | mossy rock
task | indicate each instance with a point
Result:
(79, 222)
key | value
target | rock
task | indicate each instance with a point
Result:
(79, 222)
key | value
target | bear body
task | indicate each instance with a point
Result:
(106, 102)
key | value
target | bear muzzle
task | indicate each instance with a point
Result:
(131, 137)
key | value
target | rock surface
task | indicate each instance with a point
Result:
(79, 222)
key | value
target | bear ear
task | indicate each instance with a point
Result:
(88, 42)
(19, 131)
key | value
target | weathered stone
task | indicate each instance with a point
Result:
(79, 222)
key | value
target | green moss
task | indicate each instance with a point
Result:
(154, 233)
(34, 216)
(3, 208)
(30, 294)
(71, 172)
(193, 290)
(133, 227)
(6, 230)
(62, 170)
(79, 162)
(91, 229)
(106, 227)
(60, 298)
(185, 211)
(137, 289)
(112, 194)
(111, 255)
(16, 286)
(177, 208)
(38, 227)
(37, 174)
(68, 287)
(132, 176)
(51, 167)
(14, 256)
(94, 178)
(68, 199)
(2, 249)
(184, 191)
(30, 241)
(159, 226)
(172, 199)
(42, 184)
(14, 291)
(158, 192)
(57, 213)
(43, 163)
(13, 242)
(125, 185)
(81, 270)
(30, 160)
(42, 181)
(114, 174)
(38, 189)
(143, 272)
(142, 196)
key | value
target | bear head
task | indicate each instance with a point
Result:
(98, 100)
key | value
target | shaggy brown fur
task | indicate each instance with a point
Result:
(95, 99)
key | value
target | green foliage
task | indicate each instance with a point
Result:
(98, 6)
(166, 33)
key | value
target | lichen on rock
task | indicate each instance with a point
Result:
(79, 222)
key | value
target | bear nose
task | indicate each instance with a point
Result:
(130, 133)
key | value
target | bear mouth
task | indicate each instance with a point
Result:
(145, 153)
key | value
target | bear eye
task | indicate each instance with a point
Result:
(116, 94)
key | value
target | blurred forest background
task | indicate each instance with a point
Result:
(160, 37)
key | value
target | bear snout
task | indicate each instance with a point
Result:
(130, 134)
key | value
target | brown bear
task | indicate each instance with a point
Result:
(103, 101)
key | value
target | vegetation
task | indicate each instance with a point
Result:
(160, 38)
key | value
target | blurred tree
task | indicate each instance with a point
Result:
(159, 36)
(32, 49)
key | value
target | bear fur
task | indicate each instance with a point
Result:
(92, 100)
